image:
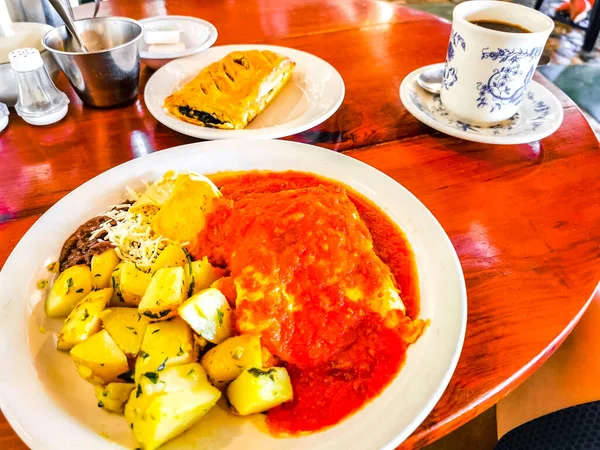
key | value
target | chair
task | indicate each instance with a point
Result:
(593, 28)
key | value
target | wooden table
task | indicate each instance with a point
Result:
(524, 219)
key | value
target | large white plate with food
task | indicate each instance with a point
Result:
(50, 406)
(315, 91)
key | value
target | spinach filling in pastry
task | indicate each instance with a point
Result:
(231, 92)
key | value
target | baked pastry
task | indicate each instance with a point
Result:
(231, 92)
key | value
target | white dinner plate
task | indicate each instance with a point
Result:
(50, 407)
(313, 94)
(540, 114)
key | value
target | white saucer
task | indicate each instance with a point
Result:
(540, 115)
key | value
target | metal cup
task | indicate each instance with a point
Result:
(109, 73)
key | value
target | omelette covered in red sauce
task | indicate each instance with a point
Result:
(326, 280)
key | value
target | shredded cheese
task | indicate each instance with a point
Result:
(134, 195)
(131, 234)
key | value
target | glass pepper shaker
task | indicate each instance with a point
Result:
(40, 102)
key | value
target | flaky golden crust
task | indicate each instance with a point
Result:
(231, 92)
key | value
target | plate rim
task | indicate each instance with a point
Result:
(410, 80)
(440, 387)
(212, 38)
(262, 133)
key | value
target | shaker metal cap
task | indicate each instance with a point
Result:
(25, 59)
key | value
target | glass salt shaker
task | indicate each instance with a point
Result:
(40, 102)
(3, 116)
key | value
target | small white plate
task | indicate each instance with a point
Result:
(540, 115)
(315, 91)
(196, 34)
(52, 408)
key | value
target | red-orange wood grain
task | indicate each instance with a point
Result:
(524, 219)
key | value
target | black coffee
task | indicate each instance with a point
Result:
(500, 26)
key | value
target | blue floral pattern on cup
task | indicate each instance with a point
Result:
(455, 41)
(450, 77)
(450, 73)
(499, 90)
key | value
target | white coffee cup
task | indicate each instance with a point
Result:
(487, 71)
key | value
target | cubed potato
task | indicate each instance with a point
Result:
(133, 283)
(173, 255)
(99, 359)
(115, 279)
(84, 320)
(230, 358)
(70, 287)
(209, 315)
(127, 327)
(136, 406)
(113, 396)
(169, 343)
(103, 266)
(165, 294)
(257, 390)
(201, 275)
(184, 377)
(159, 418)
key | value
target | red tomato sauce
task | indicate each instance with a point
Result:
(303, 234)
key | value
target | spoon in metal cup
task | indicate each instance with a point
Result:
(67, 18)
(431, 79)
(96, 7)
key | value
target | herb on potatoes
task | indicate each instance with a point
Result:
(126, 376)
(152, 376)
(259, 372)
(69, 284)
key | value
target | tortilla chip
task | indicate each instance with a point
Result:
(156, 194)
(182, 216)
